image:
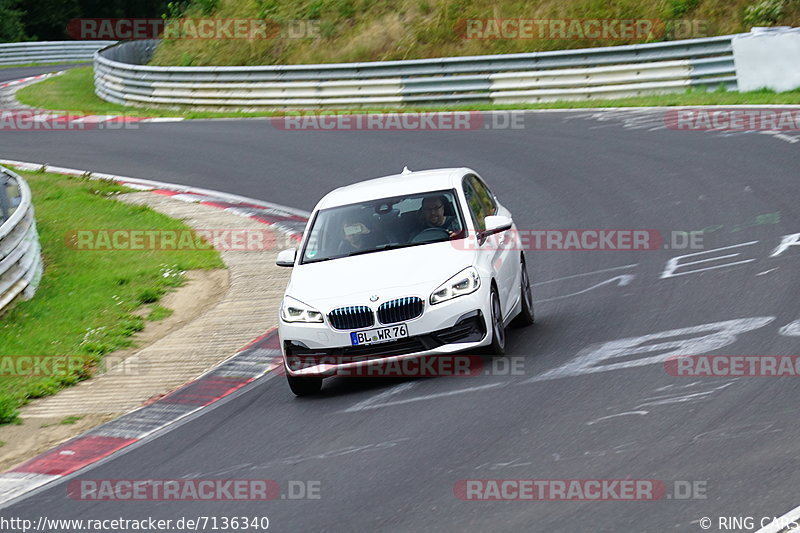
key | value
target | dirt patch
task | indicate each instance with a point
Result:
(203, 289)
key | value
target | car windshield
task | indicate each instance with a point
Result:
(383, 224)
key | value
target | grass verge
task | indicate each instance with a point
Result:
(74, 92)
(84, 307)
(381, 30)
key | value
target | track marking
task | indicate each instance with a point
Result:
(681, 398)
(163, 119)
(622, 281)
(612, 269)
(596, 420)
(791, 329)
(496, 466)
(782, 136)
(366, 404)
(782, 522)
(674, 263)
(671, 385)
(617, 354)
(372, 403)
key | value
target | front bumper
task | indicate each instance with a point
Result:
(469, 331)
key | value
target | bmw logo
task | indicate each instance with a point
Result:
(373, 298)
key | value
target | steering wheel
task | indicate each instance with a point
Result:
(430, 234)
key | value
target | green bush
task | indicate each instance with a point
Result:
(8, 408)
(764, 12)
(679, 8)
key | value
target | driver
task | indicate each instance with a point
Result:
(434, 217)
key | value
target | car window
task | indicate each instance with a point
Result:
(484, 195)
(476, 206)
(380, 224)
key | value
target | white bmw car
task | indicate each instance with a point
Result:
(409, 265)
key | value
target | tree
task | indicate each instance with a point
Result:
(47, 20)
(11, 27)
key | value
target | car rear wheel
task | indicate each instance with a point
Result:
(525, 316)
(498, 346)
(304, 386)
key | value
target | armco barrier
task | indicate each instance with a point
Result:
(20, 253)
(49, 51)
(123, 76)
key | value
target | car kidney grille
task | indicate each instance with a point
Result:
(353, 317)
(400, 309)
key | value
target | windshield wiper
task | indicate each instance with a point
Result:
(381, 248)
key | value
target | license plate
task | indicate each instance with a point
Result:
(378, 335)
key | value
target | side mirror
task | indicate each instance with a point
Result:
(497, 224)
(286, 257)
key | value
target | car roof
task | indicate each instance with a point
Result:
(406, 182)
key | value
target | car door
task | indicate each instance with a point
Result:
(496, 250)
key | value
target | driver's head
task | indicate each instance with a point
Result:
(433, 210)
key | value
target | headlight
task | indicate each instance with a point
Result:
(465, 282)
(296, 311)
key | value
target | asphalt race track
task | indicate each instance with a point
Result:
(15, 73)
(388, 453)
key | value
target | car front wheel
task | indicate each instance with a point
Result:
(498, 346)
(525, 316)
(304, 386)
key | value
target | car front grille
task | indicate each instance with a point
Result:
(353, 317)
(400, 309)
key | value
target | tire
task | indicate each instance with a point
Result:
(498, 345)
(304, 386)
(525, 316)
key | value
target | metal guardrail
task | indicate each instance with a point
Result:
(20, 253)
(49, 51)
(123, 76)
